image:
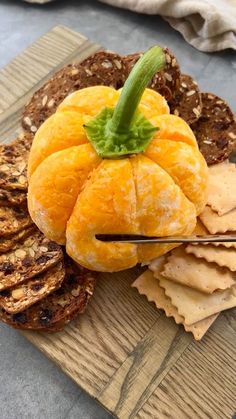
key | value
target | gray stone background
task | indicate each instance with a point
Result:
(32, 387)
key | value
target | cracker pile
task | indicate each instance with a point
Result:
(40, 287)
(208, 115)
(194, 283)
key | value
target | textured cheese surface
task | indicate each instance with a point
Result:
(74, 195)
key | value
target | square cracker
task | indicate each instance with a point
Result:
(149, 286)
(221, 189)
(220, 255)
(216, 224)
(196, 273)
(194, 305)
(201, 230)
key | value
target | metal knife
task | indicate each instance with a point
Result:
(136, 239)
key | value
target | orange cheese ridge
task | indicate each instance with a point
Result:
(74, 194)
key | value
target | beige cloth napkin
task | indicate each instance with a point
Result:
(208, 25)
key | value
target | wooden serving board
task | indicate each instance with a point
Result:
(122, 351)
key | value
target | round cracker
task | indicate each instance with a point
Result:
(45, 101)
(102, 68)
(187, 101)
(215, 130)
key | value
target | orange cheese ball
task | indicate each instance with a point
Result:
(74, 194)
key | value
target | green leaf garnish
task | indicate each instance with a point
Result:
(109, 144)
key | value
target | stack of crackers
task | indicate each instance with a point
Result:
(194, 283)
(40, 287)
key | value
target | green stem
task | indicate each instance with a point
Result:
(123, 131)
(143, 71)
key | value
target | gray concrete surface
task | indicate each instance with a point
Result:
(32, 387)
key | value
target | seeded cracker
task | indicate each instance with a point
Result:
(149, 286)
(187, 101)
(12, 198)
(222, 188)
(45, 100)
(196, 273)
(13, 163)
(17, 148)
(215, 130)
(60, 307)
(13, 175)
(103, 68)
(33, 256)
(21, 297)
(13, 220)
(7, 243)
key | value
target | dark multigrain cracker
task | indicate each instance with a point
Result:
(20, 297)
(12, 198)
(45, 101)
(215, 130)
(187, 101)
(165, 82)
(103, 68)
(13, 220)
(60, 307)
(216, 110)
(7, 243)
(171, 71)
(27, 259)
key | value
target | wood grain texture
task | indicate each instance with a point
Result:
(123, 351)
(30, 70)
(202, 382)
(94, 346)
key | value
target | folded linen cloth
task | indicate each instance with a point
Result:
(208, 25)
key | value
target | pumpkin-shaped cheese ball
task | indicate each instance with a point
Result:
(111, 162)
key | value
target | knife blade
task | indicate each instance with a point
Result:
(139, 239)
